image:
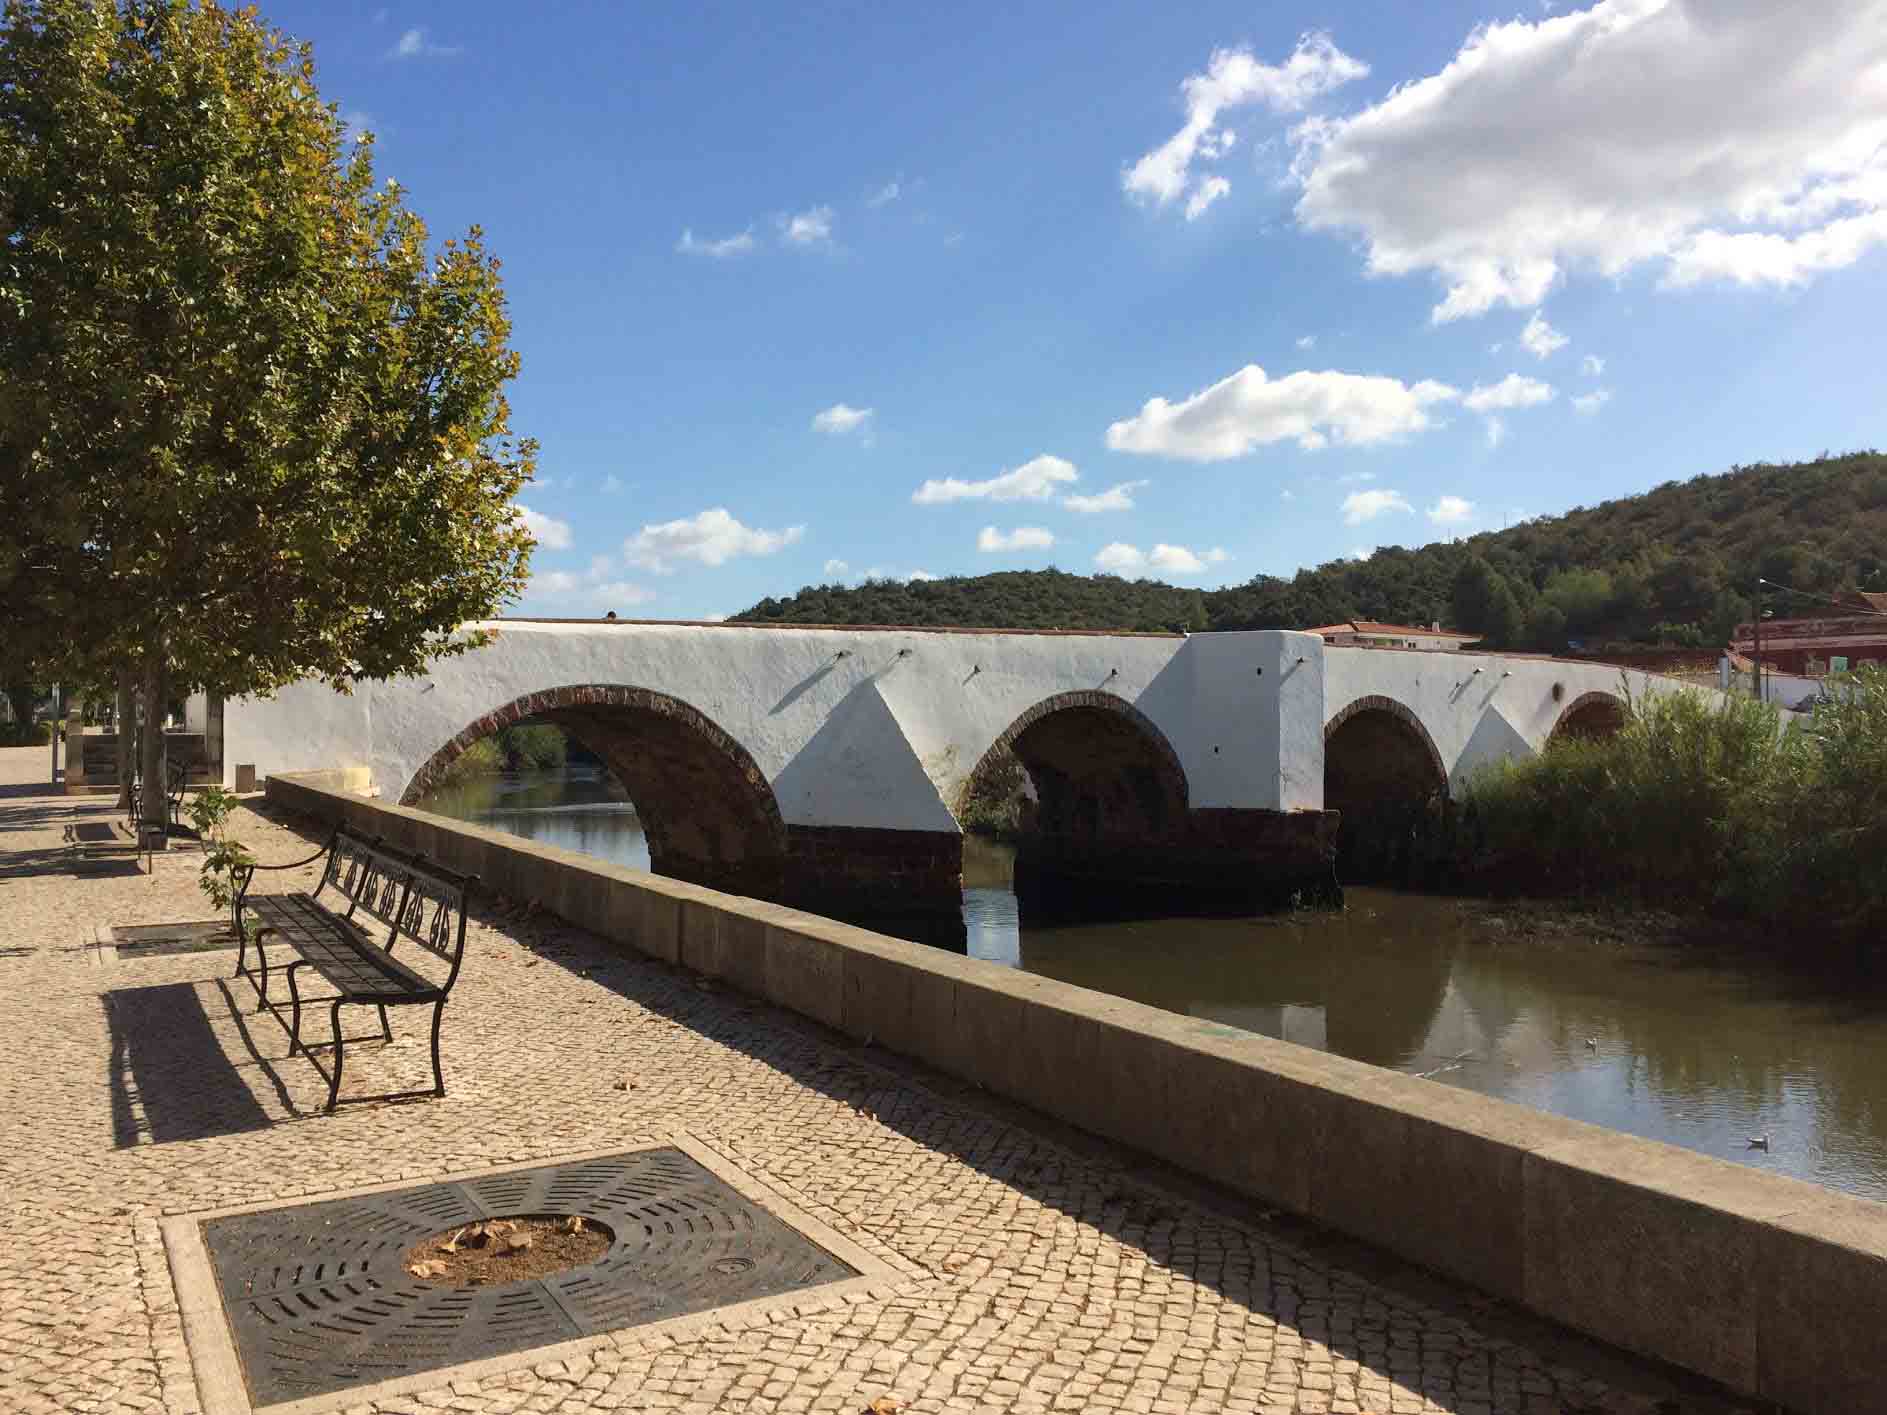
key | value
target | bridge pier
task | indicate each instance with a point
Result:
(1211, 863)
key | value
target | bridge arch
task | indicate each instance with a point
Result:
(1385, 776)
(1590, 716)
(1100, 769)
(705, 806)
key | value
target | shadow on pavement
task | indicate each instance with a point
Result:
(171, 1076)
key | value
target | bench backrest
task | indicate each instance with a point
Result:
(414, 898)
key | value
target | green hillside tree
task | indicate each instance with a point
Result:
(1483, 600)
(252, 425)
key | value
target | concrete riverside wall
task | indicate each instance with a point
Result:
(1774, 1287)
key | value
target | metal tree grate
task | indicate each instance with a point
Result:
(152, 940)
(318, 1301)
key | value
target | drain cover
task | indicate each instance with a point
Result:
(319, 1302)
(151, 940)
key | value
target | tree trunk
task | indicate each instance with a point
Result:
(154, 689)
(127, 716)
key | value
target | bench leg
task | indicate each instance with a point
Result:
(334, 1082)
(438, 1076)
(386, 1031)
(294, 1026)
(261, 976)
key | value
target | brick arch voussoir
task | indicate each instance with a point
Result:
(1596, 698)
(1403, 713)
(605, 695)
(1083, 698)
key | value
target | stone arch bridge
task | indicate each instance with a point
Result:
(829, 767)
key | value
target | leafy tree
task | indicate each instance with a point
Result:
(1484, 602)
(1583, 598)
(1546, 627)
(251, 427)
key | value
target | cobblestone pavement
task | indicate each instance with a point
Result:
(1040, 1274)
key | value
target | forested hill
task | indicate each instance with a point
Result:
(1673, 566)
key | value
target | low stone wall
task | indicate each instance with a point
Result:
(1774, 1287)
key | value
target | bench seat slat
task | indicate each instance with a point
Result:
(361, 969)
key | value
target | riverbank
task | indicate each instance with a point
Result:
(1722, 810)
(1581, 1224)
(1034, 1269)
(1701, 1040)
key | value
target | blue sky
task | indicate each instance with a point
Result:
(807, 292)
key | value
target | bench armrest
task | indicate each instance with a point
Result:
(292, 864)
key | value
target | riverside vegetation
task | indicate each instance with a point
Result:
(1721, 808)
(527, 746)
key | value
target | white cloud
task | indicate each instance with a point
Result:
(413, 44)
(1540, 339)
(1204, 194)
(617, 592)
(1590, 403)
(1361, 506)
(722, 249)
(1249, 410)
(903, 576)
(1451, 511)
(1287, 494)
(1496, 431)
(1726, 141)
(836, 569)
(811, 227)
(1304, 341)
(712, 538)
(1592, 366)
(357, 124)
(1034, 480)
(1769, 258)
(613, 483)
(919, 575)
(1119, 558)
(1177, 560)
(840, 417)
(548, 530)
(592, 592)
(992, 541)
(1234, 78)
(889, 192)
(1115, 498)
(1514, 391)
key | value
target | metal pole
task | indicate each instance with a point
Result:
(1756, 666)
(58, 695)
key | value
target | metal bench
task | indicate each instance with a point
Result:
(177, 776)
(375, 889)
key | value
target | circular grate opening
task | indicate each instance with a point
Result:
(514, 1249)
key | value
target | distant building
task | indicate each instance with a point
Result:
(1832, 642)
(1368, 633)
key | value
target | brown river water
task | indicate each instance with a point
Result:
(1696, 1050)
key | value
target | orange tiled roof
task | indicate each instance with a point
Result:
(1373, 626)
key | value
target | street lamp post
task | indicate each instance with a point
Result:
(1756, 665)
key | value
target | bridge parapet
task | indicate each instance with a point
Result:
(812, 765)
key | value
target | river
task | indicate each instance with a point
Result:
(1699, 1051)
